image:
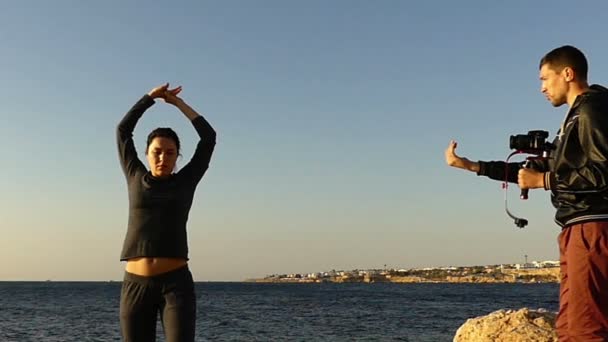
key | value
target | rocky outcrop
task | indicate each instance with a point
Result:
(544, 275)
(406, 279)
(540, 275)
(523, 325)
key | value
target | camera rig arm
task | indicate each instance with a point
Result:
(519, 221)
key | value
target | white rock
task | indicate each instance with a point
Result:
(523, 325)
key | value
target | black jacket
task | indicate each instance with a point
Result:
(576, 171)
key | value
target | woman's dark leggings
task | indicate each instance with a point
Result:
(171, 294)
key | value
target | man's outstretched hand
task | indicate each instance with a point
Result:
(454, 160)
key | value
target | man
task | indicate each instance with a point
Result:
(577, 176)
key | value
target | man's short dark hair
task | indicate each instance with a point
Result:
(567, 56)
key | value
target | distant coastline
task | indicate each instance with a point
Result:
(547, 272)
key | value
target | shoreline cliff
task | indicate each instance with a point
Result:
(535, 275)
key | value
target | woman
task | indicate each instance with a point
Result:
(157, 278)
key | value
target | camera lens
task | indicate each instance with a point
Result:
(519, 142)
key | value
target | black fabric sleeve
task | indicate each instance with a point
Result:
(129, 161)
(196, 167)
(499, 170)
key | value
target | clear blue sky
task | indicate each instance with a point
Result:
(332, 120)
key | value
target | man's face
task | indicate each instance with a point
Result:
(554, 84)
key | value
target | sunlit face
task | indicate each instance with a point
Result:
(162, 155)
(554, 84)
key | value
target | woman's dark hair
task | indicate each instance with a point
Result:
(163, 132)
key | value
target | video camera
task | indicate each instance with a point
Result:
(532, 143)
(535, 143)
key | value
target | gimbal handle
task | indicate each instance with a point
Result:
(524, 192)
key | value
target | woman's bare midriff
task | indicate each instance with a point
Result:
(153, 266)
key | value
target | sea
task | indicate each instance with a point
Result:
(234, 311)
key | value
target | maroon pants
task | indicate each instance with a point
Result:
(583, 297)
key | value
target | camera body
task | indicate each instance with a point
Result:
(535, 142)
